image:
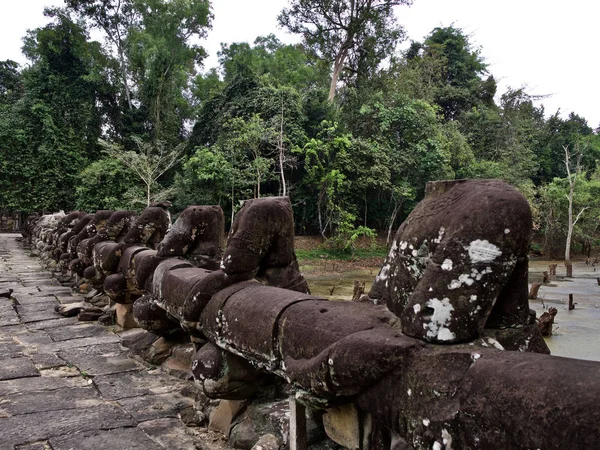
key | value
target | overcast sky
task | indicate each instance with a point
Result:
(547, 45)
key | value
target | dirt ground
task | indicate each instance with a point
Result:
(576, 333)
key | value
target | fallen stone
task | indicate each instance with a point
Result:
(267, 442)
(100, 300)
(125, 317)
(222, 416)
(6, 293)
(70, 310)
(172, 434)
(90, 314)
(343, 425)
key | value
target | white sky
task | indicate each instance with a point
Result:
(550, 46)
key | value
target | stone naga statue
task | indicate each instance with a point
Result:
(458, 265)
(260, 245)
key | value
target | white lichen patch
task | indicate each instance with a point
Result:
(383, 273)
(506, 231)
(403, 245)
(462, 279)
(447, 439)
(447, 264)
(426, 422)
(437, 326)
(440, 236)
(409, 392)
(494, 343)
(475, 356)
(473, 298)
(393, 249)
(436, 446)
(417, 308)
(483, 251)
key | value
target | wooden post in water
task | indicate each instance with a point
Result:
(571, 304)
(298, 439)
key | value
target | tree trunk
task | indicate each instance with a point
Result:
(148, 194)
(392, 220)
(338, 65)
(282, 155)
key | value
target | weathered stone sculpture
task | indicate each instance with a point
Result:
(76, 243)
(456, 275)
(260, 244)
(197, 235)
(458, 264)
(117, 260)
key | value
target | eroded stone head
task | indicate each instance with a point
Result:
(461, 254)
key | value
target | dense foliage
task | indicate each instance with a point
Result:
(345, 124)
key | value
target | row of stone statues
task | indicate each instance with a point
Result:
(423, 361)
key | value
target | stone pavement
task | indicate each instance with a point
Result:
(66, 384)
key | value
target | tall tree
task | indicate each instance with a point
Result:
(50, 132)
(155, 42)
(115, 18)
(346, 33)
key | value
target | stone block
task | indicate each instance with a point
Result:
(222, 416)
(342, 425)
(125, 317)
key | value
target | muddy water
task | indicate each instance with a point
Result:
(576, 333)
(340, 285)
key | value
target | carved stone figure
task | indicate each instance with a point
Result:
(458, 264)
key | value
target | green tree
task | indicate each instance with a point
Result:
(345, 33)
(107, 184)
(49, 133)
(148, 163)
(453, 69)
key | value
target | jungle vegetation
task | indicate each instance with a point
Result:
(344, 123)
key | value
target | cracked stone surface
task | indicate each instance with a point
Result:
(66, 384)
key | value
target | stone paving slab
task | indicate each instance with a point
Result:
(17, 367)
(33, 427)
(39, 384)
(83, 342)
(66, 384)
(60, 399)
(119, 439)
(56, 321)
(135, 384)
(81, 330)
(105, 364)
(150, 407)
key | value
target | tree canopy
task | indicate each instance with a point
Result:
(344, 123)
